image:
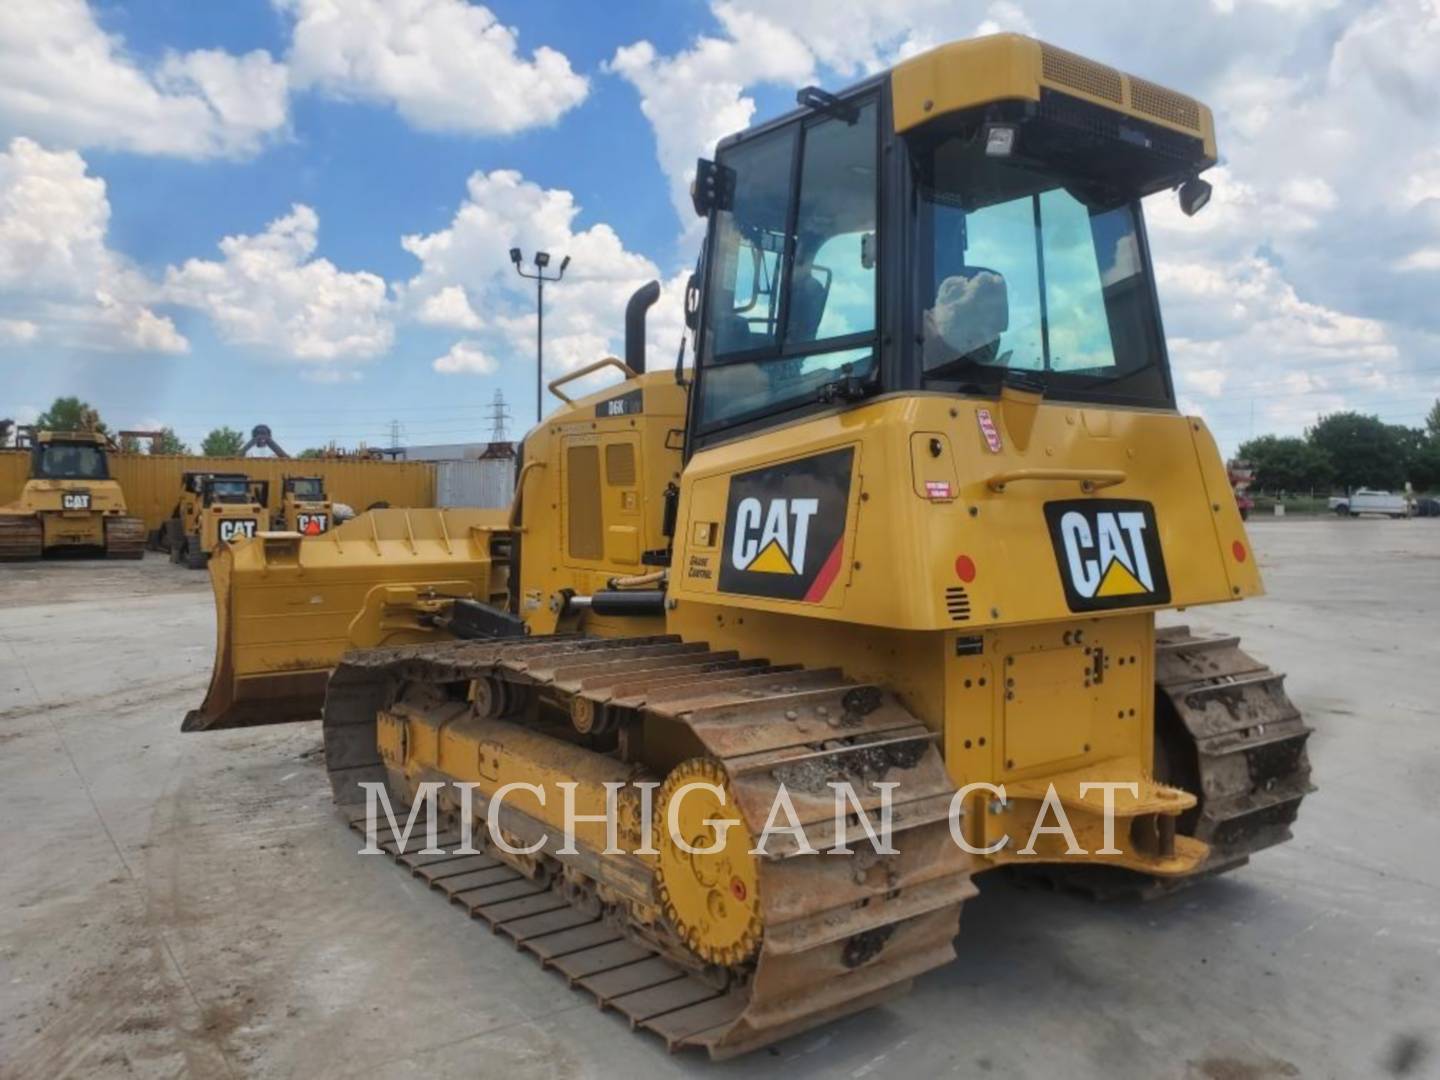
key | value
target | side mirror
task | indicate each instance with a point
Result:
(1194, 194)
(692, 303)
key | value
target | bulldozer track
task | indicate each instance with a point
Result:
(1247, 739)
(841, 932)
(124, 538)
(1227, 732)
(21, 537)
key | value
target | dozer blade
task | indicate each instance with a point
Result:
(288, 607)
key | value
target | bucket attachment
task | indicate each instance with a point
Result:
(288, 607)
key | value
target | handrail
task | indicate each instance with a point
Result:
(590, 369)
(1089, 479)
(517, 500)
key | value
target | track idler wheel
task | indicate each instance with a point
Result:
(711, 894)
(496, 699)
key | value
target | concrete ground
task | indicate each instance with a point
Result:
(188, 906)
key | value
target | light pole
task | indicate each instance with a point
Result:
(542, 260)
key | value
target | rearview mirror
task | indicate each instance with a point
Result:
(1194, 194)
(692, 303)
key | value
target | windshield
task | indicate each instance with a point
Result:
(70, 461)
(230, 491)
(1021, 272)
(308, 489)
(791, 285)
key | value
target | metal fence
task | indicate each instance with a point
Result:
(484, 482)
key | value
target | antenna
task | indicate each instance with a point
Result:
(499, 415)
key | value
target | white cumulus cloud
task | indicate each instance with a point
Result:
(66, 81)
(584, 314)
(269, 291)
(444, 65)
(465, 358)
(59, 279)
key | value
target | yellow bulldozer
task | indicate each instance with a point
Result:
(901, 530)
(214, 509)
(304, 506)
(69, 503)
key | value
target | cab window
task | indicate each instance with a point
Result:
(70, 461)
(792, 281)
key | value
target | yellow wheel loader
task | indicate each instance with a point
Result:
(902, 532)
(214, 510)
(304, 506)
(69, 503)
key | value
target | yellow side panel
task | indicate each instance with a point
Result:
(14, 468)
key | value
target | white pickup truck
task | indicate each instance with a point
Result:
(1365, 501)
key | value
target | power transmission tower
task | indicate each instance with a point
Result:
(499, 415)
(397, 434)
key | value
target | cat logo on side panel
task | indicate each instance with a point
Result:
(785, 528)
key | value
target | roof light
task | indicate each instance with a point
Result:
(999, 140)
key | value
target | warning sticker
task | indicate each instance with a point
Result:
(989, 430)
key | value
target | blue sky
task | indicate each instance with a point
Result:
(318, 135)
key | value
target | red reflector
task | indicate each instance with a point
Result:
(737, 889)
(1239, 550)
(965, 568)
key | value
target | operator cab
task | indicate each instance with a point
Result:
(61, 459)
(225, 488)
(305, 488)
(873, 243)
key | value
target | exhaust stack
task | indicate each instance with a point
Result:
(635, 311)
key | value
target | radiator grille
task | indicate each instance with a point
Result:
(1066, 69)
(1164, 104)
(957, 603)
(586, 528)
(620, 465)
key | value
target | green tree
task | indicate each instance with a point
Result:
(313, 452)
(1287, 464)
(222, 442)
(70, 414)
(1432, 421)
(168, 443)
(1425, 467)
(1364, 451)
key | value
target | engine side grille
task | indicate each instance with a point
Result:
(957, 604)
(584, 521)
(620, 465)
(1066, 69)
(1164, 104)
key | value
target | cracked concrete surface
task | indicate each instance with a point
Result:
(188, 906)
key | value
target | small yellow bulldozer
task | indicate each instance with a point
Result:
(214, 509)
(69, 504)
(903, 530)
(304, 506)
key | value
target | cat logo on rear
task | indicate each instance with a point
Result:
(232, 529)
(1109, 553)
(311, 524)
